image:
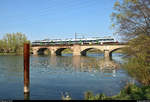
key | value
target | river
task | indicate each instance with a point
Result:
(52, 76)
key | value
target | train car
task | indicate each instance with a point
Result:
(94, 40)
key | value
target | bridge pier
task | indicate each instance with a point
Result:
(76, 50)
(107, 55)
(53, 52)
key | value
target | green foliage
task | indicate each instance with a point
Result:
(130, 92)
(131, 18)
(146, 90)
(138, 69)
(89, 96)
(138, 64)
(13, 43)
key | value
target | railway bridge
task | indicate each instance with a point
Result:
(77, 49)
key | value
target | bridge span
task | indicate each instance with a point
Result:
(77, 49)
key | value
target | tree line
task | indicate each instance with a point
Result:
(12, 43)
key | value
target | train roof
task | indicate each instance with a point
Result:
(71, 39)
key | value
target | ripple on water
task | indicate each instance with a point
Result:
(51, 76)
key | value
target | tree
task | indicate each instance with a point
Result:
(138, 64)
(13, 43)
(132, 18)
(132, 22)
(1, 46)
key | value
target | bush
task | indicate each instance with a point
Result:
(129, 92)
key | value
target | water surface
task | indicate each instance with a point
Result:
(52, 76)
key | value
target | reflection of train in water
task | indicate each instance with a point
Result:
(94, 40)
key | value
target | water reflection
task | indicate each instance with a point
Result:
(11, 66)
(77, 64)
(52, 75)
(93, 64)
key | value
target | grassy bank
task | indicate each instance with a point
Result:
(129, 92)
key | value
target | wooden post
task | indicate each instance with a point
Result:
(26, 67)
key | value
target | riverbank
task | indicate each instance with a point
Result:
(9, 54)
(129, 92)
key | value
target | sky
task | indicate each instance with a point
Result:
(56, 19)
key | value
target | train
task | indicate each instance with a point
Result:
(81, 41)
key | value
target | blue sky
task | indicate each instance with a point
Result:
(40, 19)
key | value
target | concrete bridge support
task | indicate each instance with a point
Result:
(53, 52)
(76, 50)
(107, 55)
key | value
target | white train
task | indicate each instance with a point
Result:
(93, 40)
